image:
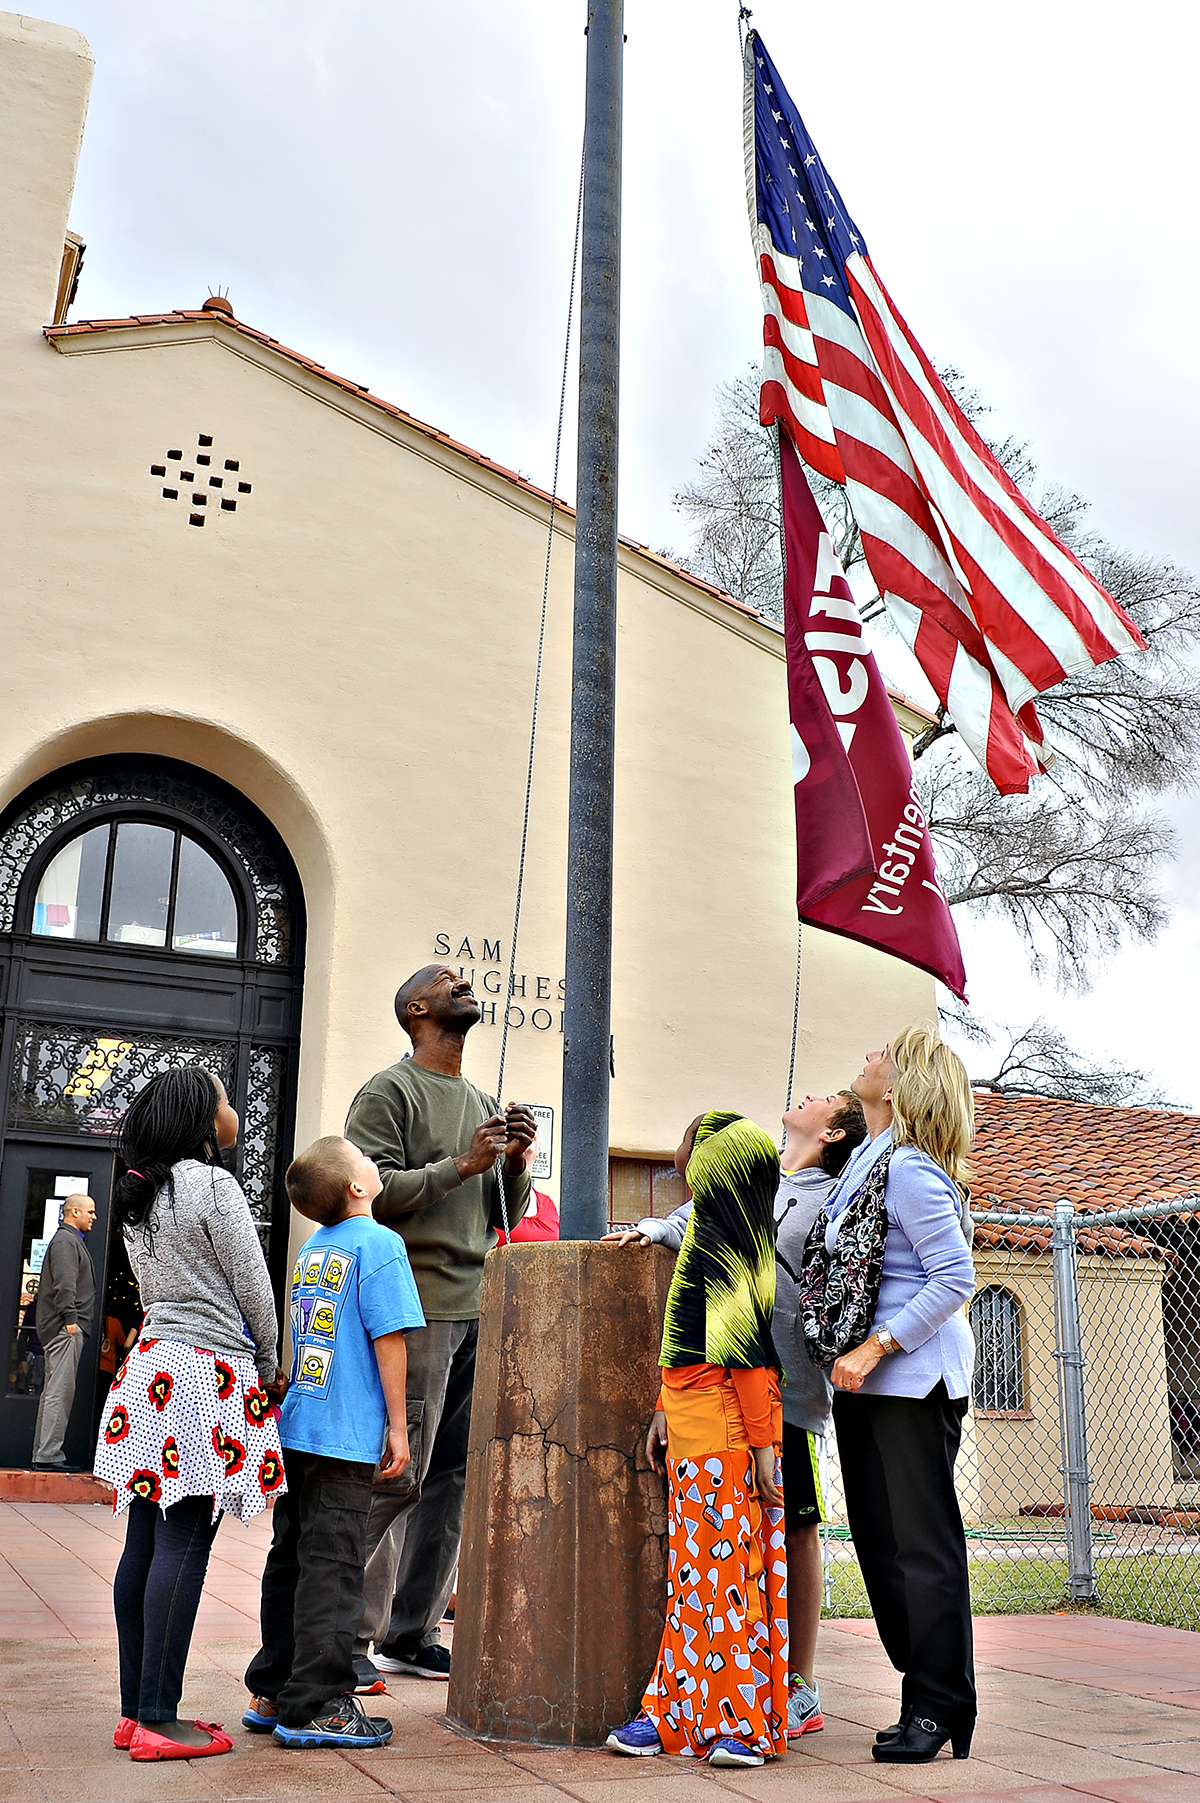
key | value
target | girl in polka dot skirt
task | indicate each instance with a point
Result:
(190, 1428)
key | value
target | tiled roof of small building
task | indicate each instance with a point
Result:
(1030, 1150)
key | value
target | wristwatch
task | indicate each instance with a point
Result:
(884, 1336)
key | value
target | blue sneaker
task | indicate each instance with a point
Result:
(734, 1752)
(343, 1723)
(260, 1716)
(638, 1738)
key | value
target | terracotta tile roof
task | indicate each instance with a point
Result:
(1030, 1150)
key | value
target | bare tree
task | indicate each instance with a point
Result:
(1039, 1060)
(1073, 867)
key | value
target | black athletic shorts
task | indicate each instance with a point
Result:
(803, 1503)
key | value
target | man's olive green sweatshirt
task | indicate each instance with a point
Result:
(414, 1122)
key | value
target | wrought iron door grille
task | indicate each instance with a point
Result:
(261, 1133)
(72, 1079)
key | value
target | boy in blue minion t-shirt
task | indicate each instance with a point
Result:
(353, 1300)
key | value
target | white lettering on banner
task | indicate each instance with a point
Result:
(845, 690)
(901, 850)
(841, 700)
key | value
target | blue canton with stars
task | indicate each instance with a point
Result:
(797, 200)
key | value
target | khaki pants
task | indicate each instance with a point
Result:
(54, 1411)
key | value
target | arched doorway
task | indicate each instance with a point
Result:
(149, 916)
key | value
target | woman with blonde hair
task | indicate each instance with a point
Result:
(901, 1392)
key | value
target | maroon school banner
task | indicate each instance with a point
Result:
(864, 860)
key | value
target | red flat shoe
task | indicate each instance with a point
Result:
(123, 1733)
(146, 1744)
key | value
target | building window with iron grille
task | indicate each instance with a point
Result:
(998, 1387)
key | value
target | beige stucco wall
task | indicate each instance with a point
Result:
(354, 650)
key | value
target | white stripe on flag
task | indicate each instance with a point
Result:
(810, 414)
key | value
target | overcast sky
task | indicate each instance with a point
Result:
(391, 189)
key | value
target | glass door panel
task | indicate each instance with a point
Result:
(46, 1189)
(34, 1183)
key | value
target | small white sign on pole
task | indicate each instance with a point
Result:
(543, 1164)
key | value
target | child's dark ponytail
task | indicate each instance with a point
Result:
(172, 1118)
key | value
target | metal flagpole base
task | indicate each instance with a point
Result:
(562, 1580)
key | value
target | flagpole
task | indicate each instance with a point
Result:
(587, 1027)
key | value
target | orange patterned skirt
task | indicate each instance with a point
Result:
(723, 1662)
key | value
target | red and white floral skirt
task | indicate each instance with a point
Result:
(182, 1421)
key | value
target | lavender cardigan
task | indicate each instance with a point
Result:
(928, 1272)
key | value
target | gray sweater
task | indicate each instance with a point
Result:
(807, 1396)
(67, 1287)
(202, 1275)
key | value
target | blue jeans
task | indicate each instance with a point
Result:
(156, 1594)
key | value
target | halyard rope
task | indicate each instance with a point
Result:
(537, 691)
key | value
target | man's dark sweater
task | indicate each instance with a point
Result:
(413, 1122)
(67, 1287)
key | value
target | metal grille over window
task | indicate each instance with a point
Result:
(69, 1080)
(261, 1134)
(999, 1384)
(73, 884)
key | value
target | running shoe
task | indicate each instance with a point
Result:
(344, 1723)
(368, 1681)
(804, 1709)
(261, 1715)
(734, 1752)
(638, 1738)
(427, 1662)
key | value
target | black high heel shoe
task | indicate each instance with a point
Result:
(922, 1739)
(897, 1728)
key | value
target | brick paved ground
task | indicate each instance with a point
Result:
(1073, 1708)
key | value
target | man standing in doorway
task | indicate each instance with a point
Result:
(435, 1139)
(66, 1297)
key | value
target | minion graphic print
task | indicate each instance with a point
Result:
(351, 1285)
(315, 1306)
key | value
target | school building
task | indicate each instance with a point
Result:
(269, 656)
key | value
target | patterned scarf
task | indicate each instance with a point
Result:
(719, 1307)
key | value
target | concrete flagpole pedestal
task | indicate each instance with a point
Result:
(562, 1580)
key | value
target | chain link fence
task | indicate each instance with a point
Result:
(1079, 1475)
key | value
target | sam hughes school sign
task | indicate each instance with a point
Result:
(533, 1000)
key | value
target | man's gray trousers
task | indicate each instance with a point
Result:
(415, 1523)
(54, 1410)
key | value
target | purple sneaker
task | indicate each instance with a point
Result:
(637, 1738)
(733, 1752)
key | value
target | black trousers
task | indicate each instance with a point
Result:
(156, 1592)
(312, 1586)
(897, 1455)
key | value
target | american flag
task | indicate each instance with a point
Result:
(994, 606)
